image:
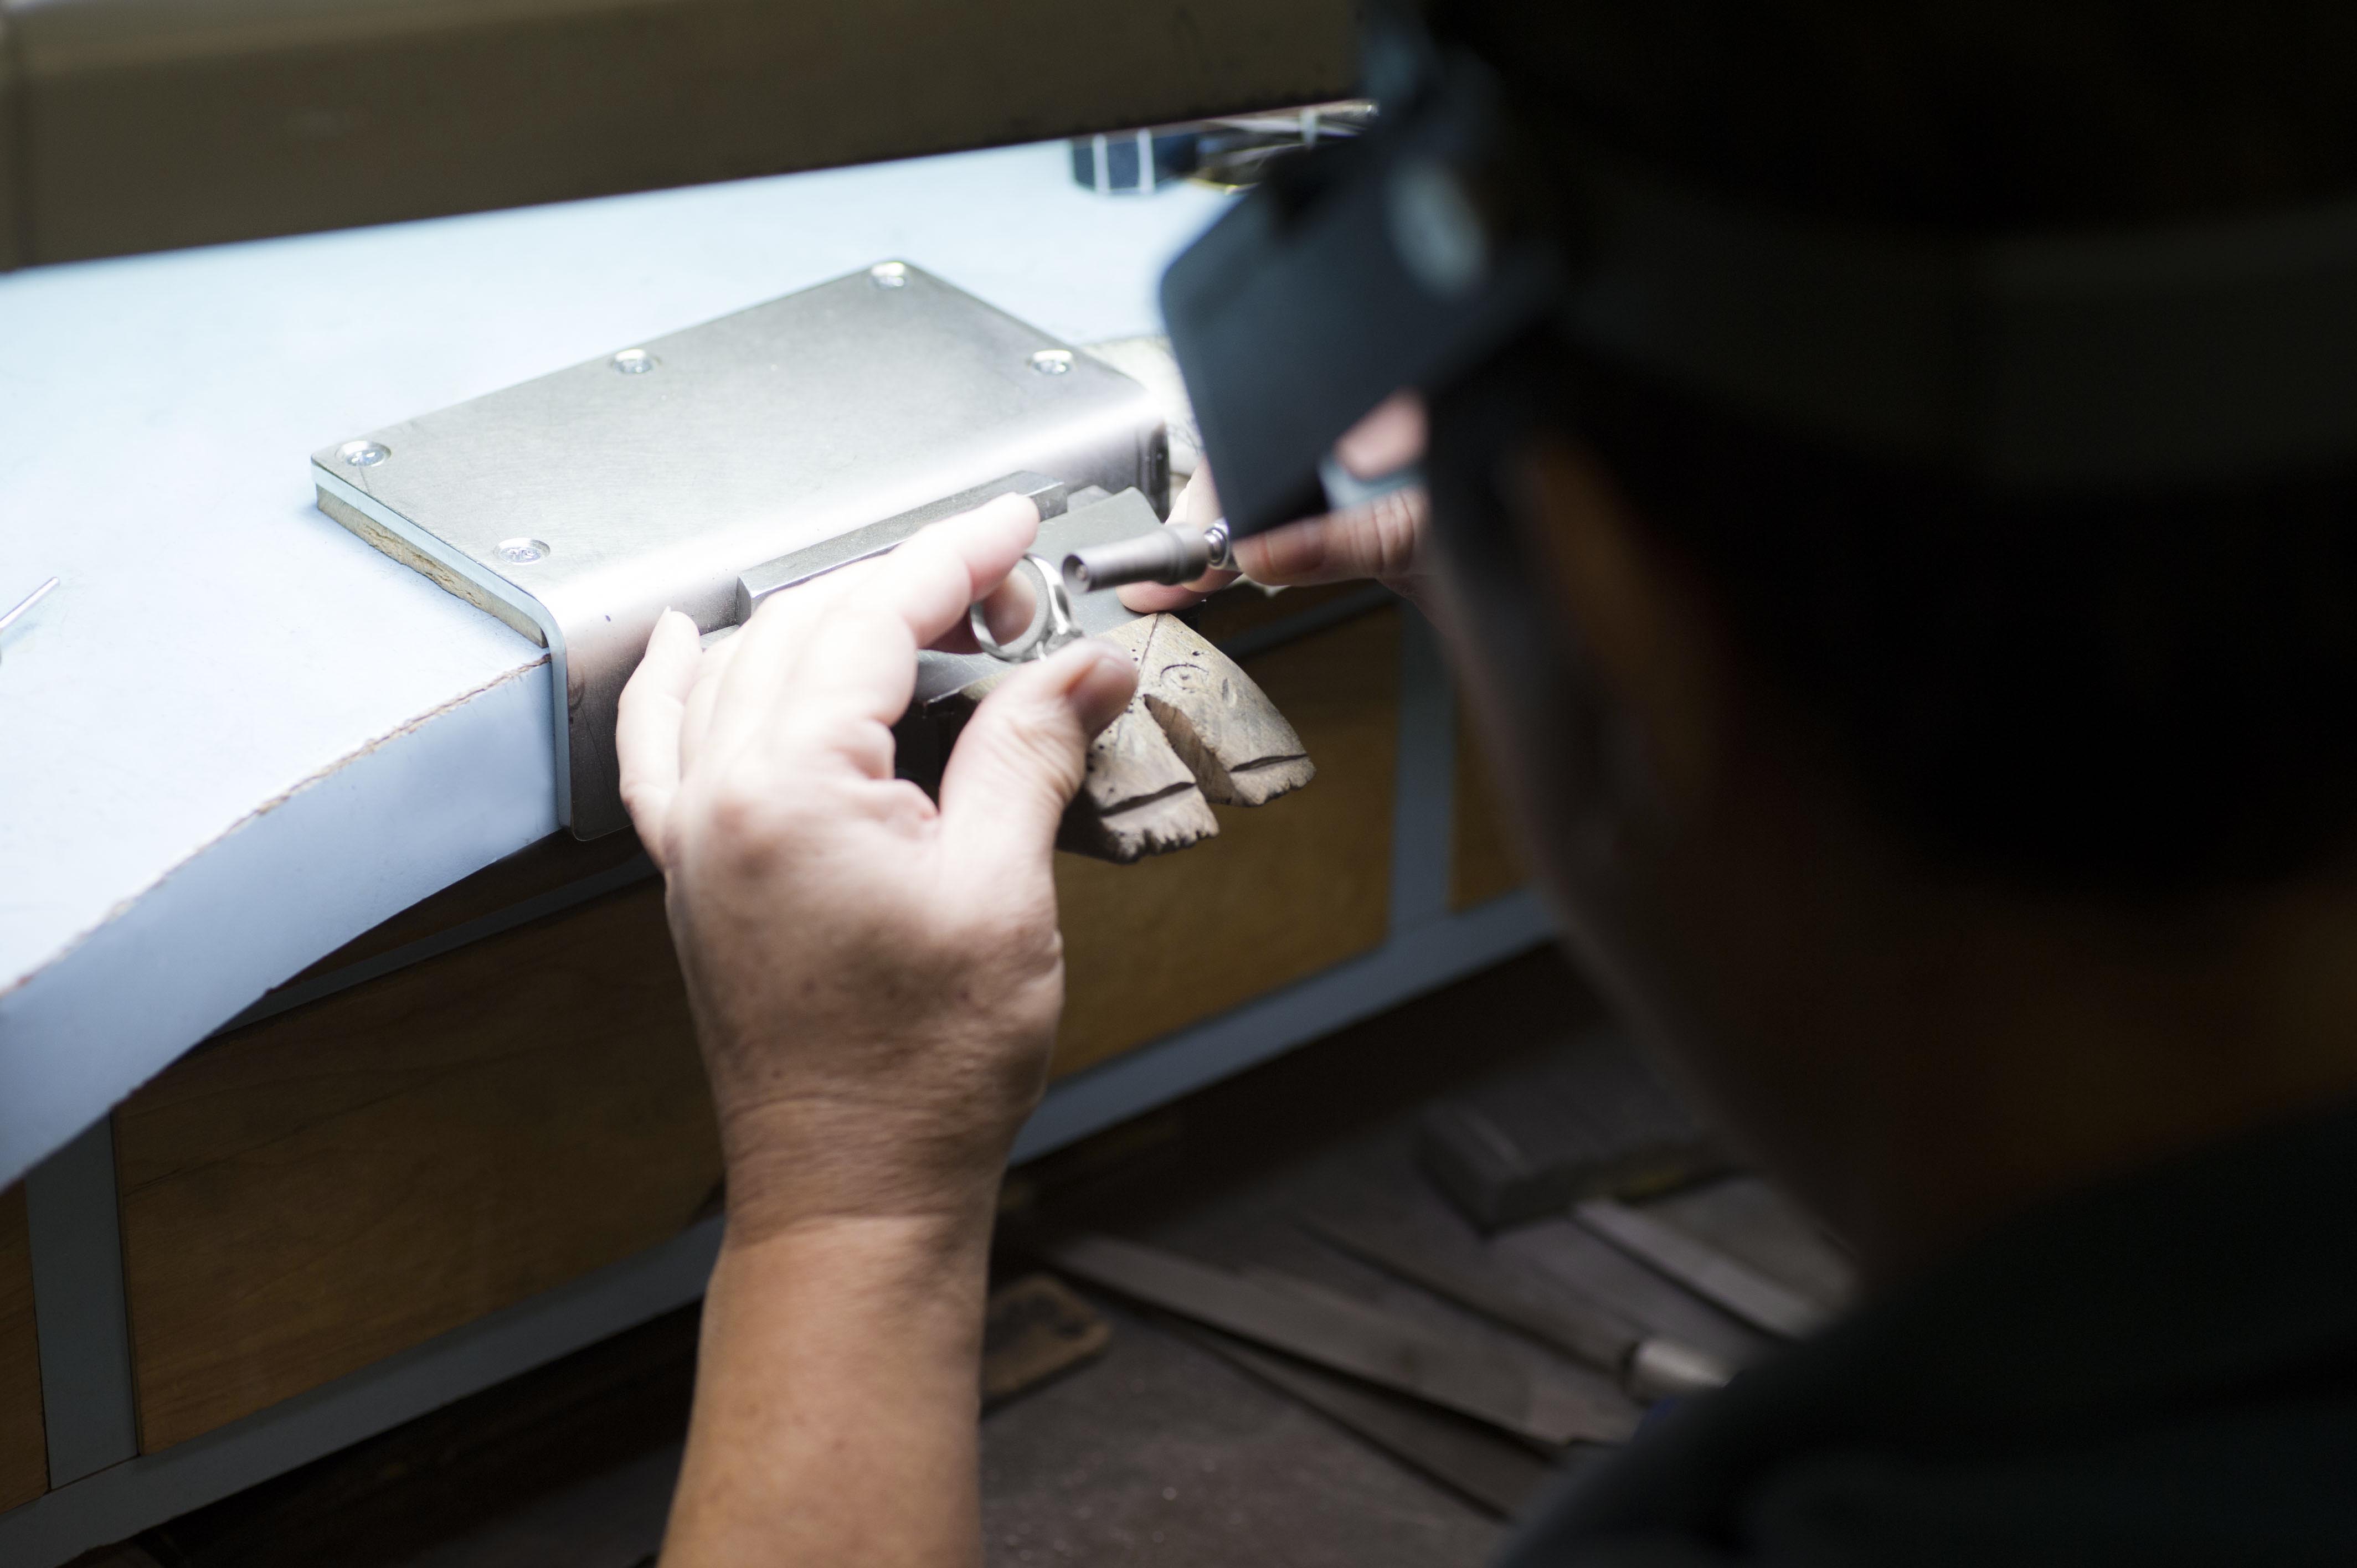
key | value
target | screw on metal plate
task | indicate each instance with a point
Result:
(889, 274)
(1052, 361)
(633, 361)
(363, 453)
(26, 603)
(523, 552)
(1052, 625)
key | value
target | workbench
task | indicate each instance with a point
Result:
(340, 1082)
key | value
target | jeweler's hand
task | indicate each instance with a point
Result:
(876, 979)
(1383, 540)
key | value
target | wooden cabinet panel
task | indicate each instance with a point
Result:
(202, 121)
(1485, 860)
(327, 1188)
(1285, 890)
(335, 1184)
(24, 1442)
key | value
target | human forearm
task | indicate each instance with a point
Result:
(836, 1399)
(876, 978)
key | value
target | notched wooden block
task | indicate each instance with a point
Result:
(1222, 726)
(1199, 731)
(1138, 797)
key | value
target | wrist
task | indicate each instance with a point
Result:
(878, 1246)
(799, 1170)
(908, 1270)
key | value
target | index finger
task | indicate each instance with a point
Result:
(781, 633)
(1378, 540)
(857, 662)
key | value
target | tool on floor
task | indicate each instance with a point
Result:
(1704, 1270)
(1340, 1334)
(1035, 1329)
(1588, 1119)
(1603, 1418)
(1494, 1473)
(1649, 1366)
(26, 603)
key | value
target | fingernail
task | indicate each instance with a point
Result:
(1092, 654)
(1101, 689)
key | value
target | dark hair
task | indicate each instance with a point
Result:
(2151, 695)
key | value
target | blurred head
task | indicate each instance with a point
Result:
(1846, 764)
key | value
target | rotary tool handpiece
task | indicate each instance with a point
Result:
(1177, 553)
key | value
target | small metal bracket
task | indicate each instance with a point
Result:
(703, 470)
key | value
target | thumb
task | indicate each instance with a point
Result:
(1020, 758)
(648, 729)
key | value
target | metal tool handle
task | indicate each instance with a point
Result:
(1180, 554)
(1667, 1369)
(26, 603)
(1174, 554)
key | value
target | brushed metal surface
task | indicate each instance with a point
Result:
(788, 571)
(765, 432)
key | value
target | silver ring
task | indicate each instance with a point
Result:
(1049, 628)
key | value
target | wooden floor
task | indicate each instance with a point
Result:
(1156, 1453)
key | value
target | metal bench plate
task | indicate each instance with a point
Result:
(575, 507)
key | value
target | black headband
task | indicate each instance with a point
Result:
(2137, 357)
(2135, 360)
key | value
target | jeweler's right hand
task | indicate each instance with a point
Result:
(1383, 540)
(876, 978)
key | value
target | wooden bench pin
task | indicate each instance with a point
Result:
(1200, 732)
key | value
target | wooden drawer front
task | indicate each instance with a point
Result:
(327, 1188)
(1485, 860)
(1285, 890)
(337, 1184)
(24, 1442)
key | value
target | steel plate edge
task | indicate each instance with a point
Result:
(500, 588)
